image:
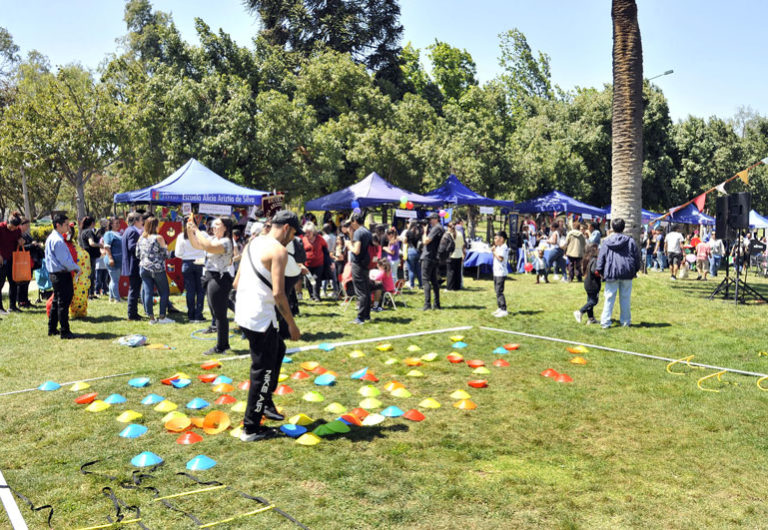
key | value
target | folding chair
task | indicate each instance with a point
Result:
(391, 297)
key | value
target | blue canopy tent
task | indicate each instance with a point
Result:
(369, 192)
(556, 201)
(756, 220)
(455, 192)
(193, 182)
(690, 215)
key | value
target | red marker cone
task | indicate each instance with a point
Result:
(478, 383)
(282, 390)
(414, 415)
(564, 378)
(500, 363)
(475, 363)
(206, 378)
(511, 346)
(549, 372)
(300, 375)
(359, 412)
(245, 385)
(189, 438)
(86, 398)
(224, 399)
(370, 377)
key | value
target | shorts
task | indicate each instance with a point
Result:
(675, 259)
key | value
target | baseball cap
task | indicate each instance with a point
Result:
(433, 215)
(287, 217)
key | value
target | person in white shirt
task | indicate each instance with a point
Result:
(500, 270)
(673, 245)
(716, 252)
(192, 261)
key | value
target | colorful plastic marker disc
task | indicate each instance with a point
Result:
(147, 458)
(478, 383)
(216, 422)
(360, 412)
(282, 377)
(322, 430)
(455, 358)
(564, 378)
(549, 372)
(578, 360)
(391, 361)
(356, 354)
(206, 378)
(500, 363)
(481, 370)
(456, 338)
(429, 357)
(430, 403)
(201, 463)
(351, 419)
(300, 375)
(465, 404)
(133, 431)
(198, 403)
(210, 365)
(197, 421)
(414, 415)
(415, 373)
(313, 396)
(49, 386)
(240, 406)
(475, 363)
(79, 387)
(222, 379)
(308, 439)
(360, 373)
(370, 377)
(223, 388)
(178, 424)
(166, 406)
(97, 406)
(413, 361)
(173, 414)
(325, 346)
(139, 382)
(460, 394)
(236, 432)
(578, 349)
(401, 393)
(511, 346)
(294, 431)
(384, 347)
(368, 391)
(338, 427)
(86, 398)
(392, 412)
(309, 365)
(319, 370)
(245, 385)
(413, 348)
(373, 419)
(393, 385)
(282, 390)
(301, 419)
(336, 408)
(287, 360)
(180, 383)
(189, 438)
(128, 416)
(325, 380)
(370, 403)
(225, 399)
(152, 399)
(459, 345)
(500, 351)
(115, 399)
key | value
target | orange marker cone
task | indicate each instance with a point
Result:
(216, 422)
(511, 346)
(475, 363)
(549, 372)
(478, 383)
(414, 415)
(578, 360)
(465, 404)
(300, 375)
(564, 378)
(282, 390)
(500, 363)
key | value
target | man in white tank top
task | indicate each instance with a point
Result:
(260, 285)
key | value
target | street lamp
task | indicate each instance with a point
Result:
(665, 73)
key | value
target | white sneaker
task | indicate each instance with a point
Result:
(496, 313)
(165, 320)
(501, 314)
(153, 321)
(577, 316)
(555, 277)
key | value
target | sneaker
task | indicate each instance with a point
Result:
(564, 280)
(577, 315)
(496, 313)
(136, 318)
(501, 314)
(377, 309)
(357, 321)
(555, 277)
(209, 330)
(592, 321)
(165, 320)
(673, 278)
(271, 414)
(264, 433)
(215, 351)
(152, 321)
(3, 312)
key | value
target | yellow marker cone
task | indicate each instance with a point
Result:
(391, 361)
(481, 370)
(336, 408)
(414, 373)
(369, 391)
(97, 406)
(301, 419)
(282, 377)
(373, 419)
(166, 406)
(577, 349)
(313, 396)
(370, 403)
(430, 403)
(413, 348)
(239, 406)
(77, 387)
(128, 416)
(356, 354)
(172, 415)
(384, 347)
(460, 394)
(465, 404)
(401, 393)
(429, 357)
(308, 439)
(392, 386)
(309, 365)
(579, 360)
(235, 433)
(457, 338)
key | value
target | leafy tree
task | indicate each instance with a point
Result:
(417, 80)
(525, 76)
(453, 69)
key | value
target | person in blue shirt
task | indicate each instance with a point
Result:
(130, 266)
(60, 266)
(113, 246)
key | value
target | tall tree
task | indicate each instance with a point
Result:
(454, 70)
(627, 119)
(525, 76)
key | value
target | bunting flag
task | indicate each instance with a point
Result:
(744, 176)
(699, 201)
(721, 188)
(765, 161)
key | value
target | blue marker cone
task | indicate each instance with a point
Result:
(49, 386)
(326, 346)
(325, 380)
(152, 399)
(147, 458)
(200, 463)
(180, 383)
(115, 399)
(500, 351)
(139, 382)
(294, 431)
(359, 374)
(392, 412)
(287, 360)
(222, 379)
(197, 404)
(459, 345)
(133, 431)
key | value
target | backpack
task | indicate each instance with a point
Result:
(446, 247)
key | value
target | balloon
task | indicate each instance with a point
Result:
(441, 213)
(409, 205)
(357, 211)
(355, 205)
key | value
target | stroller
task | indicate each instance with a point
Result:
(44, 285)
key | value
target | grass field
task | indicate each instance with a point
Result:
(626, 445)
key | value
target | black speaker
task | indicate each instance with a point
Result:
(739, 205)
(721, 217)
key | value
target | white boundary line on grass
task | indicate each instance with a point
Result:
(11, 508)
(291, 350)
(647, 356)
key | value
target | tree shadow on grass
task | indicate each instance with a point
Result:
(393, 320)
(321, 335)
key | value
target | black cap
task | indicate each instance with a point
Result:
(287, 217)
(433, 215)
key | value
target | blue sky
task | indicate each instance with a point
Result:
(716, 49)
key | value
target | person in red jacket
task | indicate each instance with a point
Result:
(316, 249)
(10, 239)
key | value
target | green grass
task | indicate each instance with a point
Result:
(626, 445)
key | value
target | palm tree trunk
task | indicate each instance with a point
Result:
(627, 123)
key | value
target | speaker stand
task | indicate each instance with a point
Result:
(740, 287)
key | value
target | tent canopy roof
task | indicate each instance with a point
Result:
(556, 201)
(371, 191)
(690, 215)
(756, 220)
(454, 191)
(193, 182)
